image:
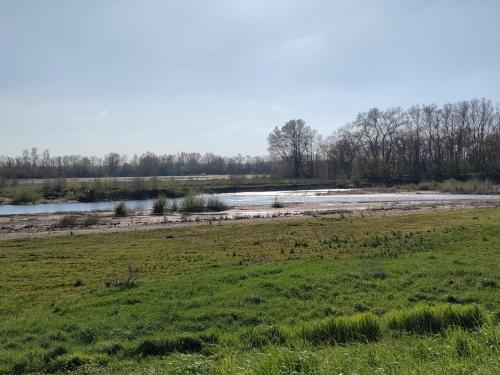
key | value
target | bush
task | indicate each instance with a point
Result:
(68, 221)
(192, 204)
(215, 204)
(121, 210)
(427, 319)
(277, 204)
(360, 327)
(91, 220)
(25, 195)
(159, 205)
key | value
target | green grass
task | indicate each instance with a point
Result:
(360, 327)
(200, 204)
(160, 205)
(25, 195)
(245, 299)
(426, 319)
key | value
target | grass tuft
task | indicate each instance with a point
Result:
(159, 206)
(430, 319)
(356, 328)
(158, 347)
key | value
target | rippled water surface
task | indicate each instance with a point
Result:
(254, 199)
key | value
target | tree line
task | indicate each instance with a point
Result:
(33, 164)
(459, 140)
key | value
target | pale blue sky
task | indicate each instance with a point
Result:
(91, 77)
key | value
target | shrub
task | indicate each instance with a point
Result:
(215, 204)
(175, 205)
(360, 327)
(91, 220)
(25, 195)
(277, 204)
(159, 205)
(68, 221)
(427, 319)
(121, 210)
(192, 204)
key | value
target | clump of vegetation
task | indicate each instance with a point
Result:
(428, 319)
(215, 204)
(68, 221)
(159, 205)
(262, 335)
(457, 187)
(277, 204)
(25, 195)
(156, 347)
(192, 204)
(91, 220)
(200, 204)
(360, 327)
(121, 210)
(126, 280)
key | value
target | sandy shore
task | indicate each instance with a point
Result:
(20, 226)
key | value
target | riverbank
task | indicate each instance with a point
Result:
(20, 226)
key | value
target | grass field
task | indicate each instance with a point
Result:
(416, 293)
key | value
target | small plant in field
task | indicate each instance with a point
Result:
(174, 206)
(68, 221)
(121, 210)
(159, 206)
(214, 204)
(91, 220)
(192, 204)
(301, 243)
(277, 203)
(127, 280)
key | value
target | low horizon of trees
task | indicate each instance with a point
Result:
(32, 164)
(459, 140)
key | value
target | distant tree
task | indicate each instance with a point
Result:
(292, 143)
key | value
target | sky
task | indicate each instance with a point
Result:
(91, 77)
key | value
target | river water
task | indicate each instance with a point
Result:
(326, 196)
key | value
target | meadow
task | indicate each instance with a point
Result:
(410, 293)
